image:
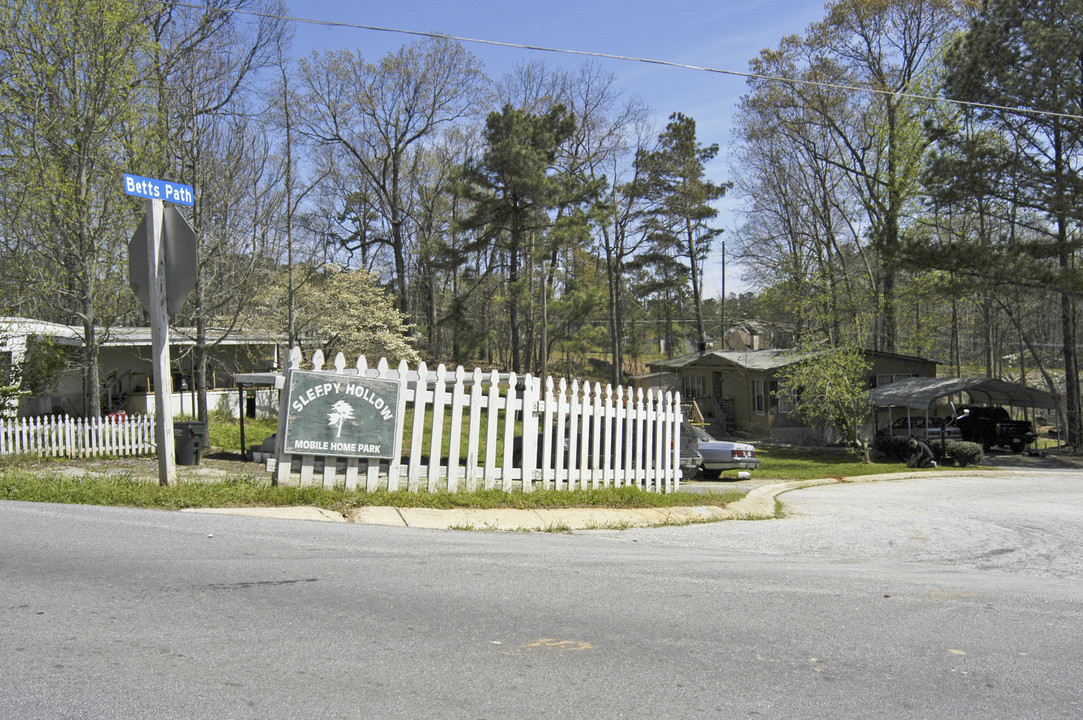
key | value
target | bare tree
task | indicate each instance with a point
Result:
(207, 60)
(378, 116)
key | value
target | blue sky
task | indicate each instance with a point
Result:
(716, 34)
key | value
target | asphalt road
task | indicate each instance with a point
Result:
(930, 598)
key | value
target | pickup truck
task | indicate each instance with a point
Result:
(993, 426)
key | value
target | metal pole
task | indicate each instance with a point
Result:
(159, 337)
(243, 393)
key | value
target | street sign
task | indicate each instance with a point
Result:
(164, 190)
(162, 259)
(341, 415)
(181, 258)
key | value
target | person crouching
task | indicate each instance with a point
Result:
(920, 455)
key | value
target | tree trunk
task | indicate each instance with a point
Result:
(543, 350)
(531, 321)
(513, 304)
(1071, 367)
(1067, 302)
(431, 314)
(92, 377)
(890, 244)
(613, 244)
(697, 293)
(954, 350)
(616, 323)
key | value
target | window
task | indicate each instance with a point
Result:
(757, 396)
(784, 398)
(779, 398)
(694, 386)
(882, 380)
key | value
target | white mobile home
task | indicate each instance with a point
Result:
(124, 364)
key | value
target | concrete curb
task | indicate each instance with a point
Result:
(286, 513)
(759, 504)
(501, 519)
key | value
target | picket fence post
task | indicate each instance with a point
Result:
(548, 472)
(455, 437)
(474, 431)
(436, 439)
(67, 437)
(528, 449)
(506, 475)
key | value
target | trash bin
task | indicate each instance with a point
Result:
(189, 439)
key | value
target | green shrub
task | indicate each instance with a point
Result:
(961, 453)
(894, 447)
(964, 453)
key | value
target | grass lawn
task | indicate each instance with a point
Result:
(120, 482)
(46, 482)
(775, 463)
(807, 464)
(129, 482)
(225, 434)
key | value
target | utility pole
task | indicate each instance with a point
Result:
(722, 304)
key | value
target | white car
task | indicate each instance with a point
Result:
(719, 455)
(915, 426)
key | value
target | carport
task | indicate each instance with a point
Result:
(919, 393)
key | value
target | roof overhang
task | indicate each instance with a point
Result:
(765, 360)
(760, 360)
(261, 379)
(132, 336)
(921, 393)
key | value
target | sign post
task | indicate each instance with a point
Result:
(159, 338)
(155, 192)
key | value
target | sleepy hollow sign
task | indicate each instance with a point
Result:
(343, 415)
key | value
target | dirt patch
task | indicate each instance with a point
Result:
(212, 468)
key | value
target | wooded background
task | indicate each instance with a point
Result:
(907, 173)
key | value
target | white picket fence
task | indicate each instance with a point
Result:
(77, 437)
(549, 435)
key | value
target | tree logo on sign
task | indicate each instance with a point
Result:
(340, 413)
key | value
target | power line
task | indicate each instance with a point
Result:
(648, 61)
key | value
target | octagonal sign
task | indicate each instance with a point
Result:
(181, 260)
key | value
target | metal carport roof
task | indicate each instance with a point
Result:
(919, 393)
